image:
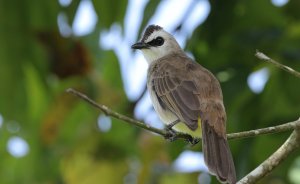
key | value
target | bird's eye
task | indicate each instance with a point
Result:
(159, 41)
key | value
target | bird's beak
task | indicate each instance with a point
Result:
(140, 45)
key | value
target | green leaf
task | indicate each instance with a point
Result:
(110, 12)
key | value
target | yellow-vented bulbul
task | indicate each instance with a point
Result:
(188, 98)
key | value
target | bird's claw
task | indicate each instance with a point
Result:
(192, 141)
(169, 127)
(170, 135)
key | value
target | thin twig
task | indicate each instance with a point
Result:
(239, 135)
(264, 57)
(264, 168)
(291, 144)
(269, 130)
(107, 111)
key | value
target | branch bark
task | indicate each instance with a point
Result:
(266, 58)
(291, 144)
(269, 130)
(109, 112)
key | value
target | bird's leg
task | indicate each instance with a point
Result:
(170, 125)
(193, 141)
(171, 134)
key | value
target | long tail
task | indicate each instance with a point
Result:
(217, 155)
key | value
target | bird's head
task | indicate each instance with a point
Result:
(156, 43)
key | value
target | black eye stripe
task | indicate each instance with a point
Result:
(158, 41)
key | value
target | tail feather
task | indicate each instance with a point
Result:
(217, 154)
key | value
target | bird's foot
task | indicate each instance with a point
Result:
(169, 127)
(192, 141)
(171, 134)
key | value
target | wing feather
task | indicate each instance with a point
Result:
(190, 91)
(181, 88)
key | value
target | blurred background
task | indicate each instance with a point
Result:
(50, 137)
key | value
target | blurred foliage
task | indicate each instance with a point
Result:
(37, 64)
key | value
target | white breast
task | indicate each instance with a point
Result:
(166, 116)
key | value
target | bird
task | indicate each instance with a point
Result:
(187, 98)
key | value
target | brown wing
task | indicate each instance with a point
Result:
(185, 88)
(177, 92)
(190, 91)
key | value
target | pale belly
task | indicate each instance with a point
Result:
(168, 117)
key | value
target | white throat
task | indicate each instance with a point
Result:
(150, 56)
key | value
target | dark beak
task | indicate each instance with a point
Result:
(140, 45)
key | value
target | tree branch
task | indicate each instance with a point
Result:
(239, 135)
(266, 58)
(269, 130)
(108, 112)
(291, 144)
